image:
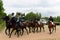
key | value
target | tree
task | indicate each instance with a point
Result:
(45, 18)
(58, 19)
(2, 9)
(30, 16)
(38, 15)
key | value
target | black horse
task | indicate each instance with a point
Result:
(10, 24)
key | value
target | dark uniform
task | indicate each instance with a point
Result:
(51, 19)
(35, 20)
(21, 19)
(13, 18)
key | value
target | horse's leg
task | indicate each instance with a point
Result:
(33, 29)
(17, 33)
(40, 28)
(55, 28)
(37, 29)
(29, 29)
(22, 31)
(6, 31)
(11, 33)
(43, 28)
(26, 30)
(50, 30)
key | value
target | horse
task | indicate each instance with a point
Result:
(23, 26)
(37, 25)
(14, 26)
(8, 25)
(34, 25)
(41, 26)
(28, 24)
(51, 27)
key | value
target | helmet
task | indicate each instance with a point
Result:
(12, 13)
(50, 16)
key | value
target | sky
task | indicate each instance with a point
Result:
(45, 7)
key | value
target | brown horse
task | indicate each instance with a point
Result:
(41, 25)
(23, 26)
(37, 25)
(28, 24)
(51, 27)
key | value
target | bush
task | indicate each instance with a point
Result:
(2, 25)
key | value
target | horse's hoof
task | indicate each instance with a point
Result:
(40, 31)
(50, 33)
(9, 36)
(18, 36)
(21, 35)
(30, 32)
(33, 32)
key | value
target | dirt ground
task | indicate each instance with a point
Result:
(34, 36)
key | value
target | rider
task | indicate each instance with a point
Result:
(35, 20)
(20, 20)
(51, 19)
(13, 18)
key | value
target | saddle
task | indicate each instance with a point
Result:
(52, 23)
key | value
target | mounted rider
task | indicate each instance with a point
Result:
(35, 20)
(20, 20)
(51, 19)
(13, 18)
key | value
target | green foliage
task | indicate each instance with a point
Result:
(45, 18)
(1, 6)
(38, 15)
(32, 15)
(2, 25)
(57, 19)
(2, 9)
(2, 14)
